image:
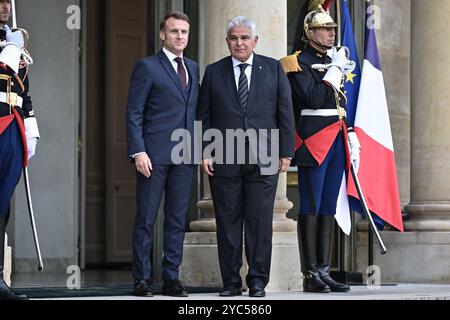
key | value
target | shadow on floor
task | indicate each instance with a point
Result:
(111, 290)
(93, 283)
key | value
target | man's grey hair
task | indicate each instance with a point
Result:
(241, 21)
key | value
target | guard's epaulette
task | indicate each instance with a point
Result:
(290, 63)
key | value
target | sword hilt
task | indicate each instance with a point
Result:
(26, 35)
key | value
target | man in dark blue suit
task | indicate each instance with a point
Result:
(162, 99)
(248, 93)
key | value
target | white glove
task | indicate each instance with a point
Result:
(31, 128)
(10, 55)
(32, 134)
(339, 66)
(335, 72)
(339, 58)
(31, 143)
(355, 149)
(15, 37)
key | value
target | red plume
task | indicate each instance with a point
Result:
(327, 4)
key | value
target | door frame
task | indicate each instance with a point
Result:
(82, 138)
(156, 10)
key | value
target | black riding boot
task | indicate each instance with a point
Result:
(306, 233)
(325, 225)
(5, 292)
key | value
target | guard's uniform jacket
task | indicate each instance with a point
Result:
(313, 101)
(15, 106)
(14, 99)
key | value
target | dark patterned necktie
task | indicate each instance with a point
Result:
(181, 73)
(243, 87)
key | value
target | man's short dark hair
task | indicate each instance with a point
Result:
(176, 15)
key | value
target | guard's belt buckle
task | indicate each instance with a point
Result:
(12, 99)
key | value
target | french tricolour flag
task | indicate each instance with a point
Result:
(377, 173)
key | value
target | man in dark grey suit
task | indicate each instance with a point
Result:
(250, 93)
(162, 99)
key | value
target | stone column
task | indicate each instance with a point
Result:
(422, 253)
(430, 191)
(200, 266)
(270, 19)
(207, 223)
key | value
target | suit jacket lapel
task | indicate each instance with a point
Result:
(169, 68)
(230, 82)
(255, 81)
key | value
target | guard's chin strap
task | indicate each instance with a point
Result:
(321, 46)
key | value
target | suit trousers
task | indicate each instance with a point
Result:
(244, 202)
(176, 182)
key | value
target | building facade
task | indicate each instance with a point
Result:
(83, 184)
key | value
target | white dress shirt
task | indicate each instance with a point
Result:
(248, 71)
(172, 58)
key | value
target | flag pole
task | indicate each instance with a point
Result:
(370, 247)
(339, 22)
(339, 43)
(370, 253)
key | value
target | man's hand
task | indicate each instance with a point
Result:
(15, 37)
(284, 164)
(208, 167)
(355, 149)
(32, 134)
(339, 58)
(144, 165)
(31, 143)
(355, 158)
(340, 65)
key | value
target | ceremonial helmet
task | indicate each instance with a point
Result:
(316, 19)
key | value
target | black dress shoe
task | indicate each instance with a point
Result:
(174, 288)
(257, 290)
(230, 291)
(142, 288)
